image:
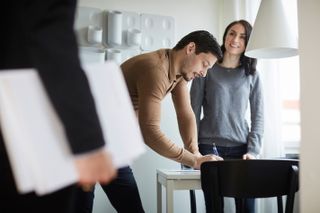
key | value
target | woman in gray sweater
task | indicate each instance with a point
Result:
(224, 96)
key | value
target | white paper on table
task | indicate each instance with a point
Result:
(34, 137)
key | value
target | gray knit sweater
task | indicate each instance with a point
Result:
(224, 95)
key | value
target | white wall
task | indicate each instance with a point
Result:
(309, 46)
(189, 16)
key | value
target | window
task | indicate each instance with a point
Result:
(289, 73)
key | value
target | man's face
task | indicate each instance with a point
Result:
(197, 65)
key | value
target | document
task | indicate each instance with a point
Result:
(34, 136)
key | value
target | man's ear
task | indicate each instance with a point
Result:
(191, 48)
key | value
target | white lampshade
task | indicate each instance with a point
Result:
(273, 35)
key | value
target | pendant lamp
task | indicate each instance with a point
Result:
(273, 35)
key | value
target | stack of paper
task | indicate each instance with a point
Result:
(35, 140)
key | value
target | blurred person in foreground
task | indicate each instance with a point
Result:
(39, 34)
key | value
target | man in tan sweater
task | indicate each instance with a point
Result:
(150, 77)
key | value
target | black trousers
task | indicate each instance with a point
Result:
(122, 192)
(61, 201)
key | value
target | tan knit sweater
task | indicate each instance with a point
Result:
(150, 77)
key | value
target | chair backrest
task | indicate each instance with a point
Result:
(248, 179)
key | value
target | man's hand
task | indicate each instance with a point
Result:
(201, 159)
(95, 167)
(198, 154)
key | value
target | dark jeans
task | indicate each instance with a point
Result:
(122, 192)
(231, 153)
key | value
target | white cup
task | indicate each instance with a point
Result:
(92, 55)
(134, 37)
(114, 55)
(94, 34)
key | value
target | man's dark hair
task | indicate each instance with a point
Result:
(205, 43)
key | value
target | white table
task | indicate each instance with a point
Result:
(175, 180)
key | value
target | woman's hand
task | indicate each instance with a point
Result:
(248, 157)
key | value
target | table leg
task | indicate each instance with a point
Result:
(159, 196)
(193, 203)
(169, 196)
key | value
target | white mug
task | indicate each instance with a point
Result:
(134, 37)
(94, 34)
(114, 55)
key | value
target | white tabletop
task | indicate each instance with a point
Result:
(179, 174)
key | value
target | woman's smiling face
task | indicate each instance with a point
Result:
(235, 40)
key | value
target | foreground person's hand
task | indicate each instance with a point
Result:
(95, 167)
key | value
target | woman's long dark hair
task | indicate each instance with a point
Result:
(248, 63)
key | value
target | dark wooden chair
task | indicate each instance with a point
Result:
(249, 179)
